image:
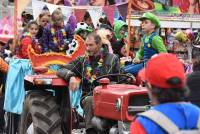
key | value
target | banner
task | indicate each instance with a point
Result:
(6, 29)
(52, 7)
(79, 13)
(167, 6)
(37, 7)
(110, 13)
(66, 11)
(123, 7)
(95, 15)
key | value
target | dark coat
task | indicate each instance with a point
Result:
(78, 68)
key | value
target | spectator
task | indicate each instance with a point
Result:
(83, 30)
(193, 82)
(2, 48)
(29, 38)
(3, 71)
(72, 22)
(26, 17)
(57, 36)
(42, 21)
(106, 36)
(87, 19)
(9, 50)
(111, 35)
(196, 65)
(119, 48)
(120, 29)
(165, 80)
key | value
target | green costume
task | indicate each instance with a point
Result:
(157, 44)
(152, 18)
(117, 26)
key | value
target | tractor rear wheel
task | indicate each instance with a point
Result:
(42, 113)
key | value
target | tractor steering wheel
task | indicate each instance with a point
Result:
(121, 78)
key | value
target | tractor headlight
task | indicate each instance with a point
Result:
(118, 104)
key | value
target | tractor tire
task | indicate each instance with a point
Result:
(41, 111)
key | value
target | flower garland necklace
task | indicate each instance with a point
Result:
(92, 74)
(27, 34)
(59, 38)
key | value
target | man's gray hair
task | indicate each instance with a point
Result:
(96, 37)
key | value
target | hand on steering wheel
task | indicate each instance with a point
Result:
(122, 78)
(136, 60)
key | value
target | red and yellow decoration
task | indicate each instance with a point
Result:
(44, 60)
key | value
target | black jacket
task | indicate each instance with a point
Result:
(78, 68)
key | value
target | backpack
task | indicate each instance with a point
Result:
(165, 123)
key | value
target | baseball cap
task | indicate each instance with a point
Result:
(161, 69)
(154, 19)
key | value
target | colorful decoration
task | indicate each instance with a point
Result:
(56, 40)
(190, 34)
(6, 28)
(142, 5)
(181, 37)
(47, 59)
(91, 75)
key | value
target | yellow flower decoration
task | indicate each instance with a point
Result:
(54, 40)
(63, 32)
(52, 31)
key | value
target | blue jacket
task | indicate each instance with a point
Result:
(184, 115)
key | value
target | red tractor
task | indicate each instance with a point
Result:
(47, 108)
(47, 105)
(115, 106)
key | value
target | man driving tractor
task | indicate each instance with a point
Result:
(95, 63)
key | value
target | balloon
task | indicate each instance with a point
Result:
(181, 37)
(190, 34)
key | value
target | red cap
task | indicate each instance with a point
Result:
(161, 68)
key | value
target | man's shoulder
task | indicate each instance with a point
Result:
(110, 55)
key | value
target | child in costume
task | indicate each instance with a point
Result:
(152, 43)
(29, 38)
(56, 35)
(83, 30)
(3, 72)
(165, 81)
(42, 21)
(120, 29)
(120, 33)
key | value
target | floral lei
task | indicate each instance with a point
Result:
(28, 34)
(89, 75)
(60, 37)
